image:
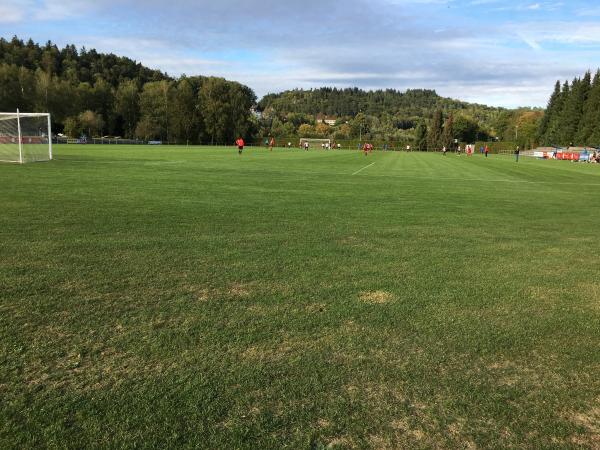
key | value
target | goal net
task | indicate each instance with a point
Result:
(25, 137)
(315, 143)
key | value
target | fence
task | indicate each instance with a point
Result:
(105, 141)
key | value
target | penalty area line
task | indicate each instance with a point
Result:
(360, 170)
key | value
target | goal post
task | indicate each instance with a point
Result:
(25, 137)
(315, 143)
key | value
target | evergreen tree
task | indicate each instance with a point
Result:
(591, 115)
(573, 109)
(447, 139)
(421, 136)
(554, 133)
(551, 111)
(434, 136)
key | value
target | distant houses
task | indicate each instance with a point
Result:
(329, 120)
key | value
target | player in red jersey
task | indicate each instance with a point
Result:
(271, 144)
(240, 143)
(366, 149)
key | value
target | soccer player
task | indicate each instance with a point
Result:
(271, 144)
(486, 150)
(240, 143)
(517, 153)
(366, 149)
(444, 150)
(306, 146)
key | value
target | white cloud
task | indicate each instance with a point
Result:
(12, 11)
(506, 51)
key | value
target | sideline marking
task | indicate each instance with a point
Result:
(360, 170)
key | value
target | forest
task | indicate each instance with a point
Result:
(96, 94)
(573, 113)
(394, 116)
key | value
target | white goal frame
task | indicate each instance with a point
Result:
(315, 141)
(18, 116)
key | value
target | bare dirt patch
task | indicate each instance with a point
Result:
(239, 290)
(323, 423)
(590, 421)
(376, 297)
(340, 442)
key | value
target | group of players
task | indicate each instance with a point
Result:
(367, 148)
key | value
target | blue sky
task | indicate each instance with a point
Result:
(498, 52)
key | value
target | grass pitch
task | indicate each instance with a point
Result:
(190, 297)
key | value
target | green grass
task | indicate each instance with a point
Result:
(189, 297)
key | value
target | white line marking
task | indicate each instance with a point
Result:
(366, 167)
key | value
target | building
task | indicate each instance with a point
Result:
(329, 120)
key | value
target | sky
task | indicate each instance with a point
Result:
(496, 52)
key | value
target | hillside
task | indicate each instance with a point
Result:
(412, 104)
(93, 93)
(392, 115)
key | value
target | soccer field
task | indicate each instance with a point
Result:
(190, 297)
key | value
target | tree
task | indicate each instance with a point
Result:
(590, 119)
(322, 130)
(528, 124)
(554, 131)
(447, 139)
(573, 109)
(225, 107)
(421, 136)
(434, 136)
(360, 125)
(343, 132)
(91, 122)
(127, 106)
(72, 127)
(186, 112)
(102, 101)
(11, 96)
(552, 110)
(466, 129)
(155, 102)
(306, 131)
(54, 95)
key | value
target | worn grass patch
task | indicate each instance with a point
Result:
(376, 297)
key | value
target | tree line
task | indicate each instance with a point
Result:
(418, 117)
(93, 93)
(573, 113)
